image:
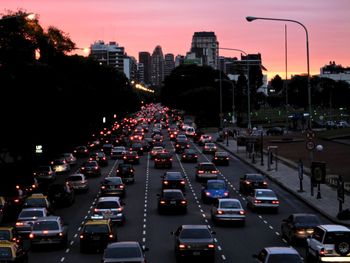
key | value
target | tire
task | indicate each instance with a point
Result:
(342, 248)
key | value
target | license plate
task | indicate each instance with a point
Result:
(96, 238)
(196, 253)
(173, 202)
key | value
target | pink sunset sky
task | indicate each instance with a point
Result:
(140, 25)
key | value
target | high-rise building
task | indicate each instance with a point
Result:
(335, 72)
(108, 54)
(157, 67)
(179, 60)
(130, 68)
(169, 64)
(145, 59)
(140, 72)
(205, 46)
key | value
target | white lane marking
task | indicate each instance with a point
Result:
(67, 250)
(277, 233)
(265, 221)
(215, 240)
(144, 240)
(62, 259)
(144, 226)
(223, 257)
(219, 248)
(75, 236)
(285, 241)
(144, 232)
(79, 229)
(271, 227)
(260, 216)
(72, 242)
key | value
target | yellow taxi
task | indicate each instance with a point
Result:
(37, 200)
(9, 233)
(12, 252)
(96, 233)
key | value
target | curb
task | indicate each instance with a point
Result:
(331, 218)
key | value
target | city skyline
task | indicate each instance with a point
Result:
(141, 25)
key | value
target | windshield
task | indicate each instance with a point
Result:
(123, 252)
(45, 225)
(4, 235)
(195, 233)
(96, 229)
(265, 194)
(230, 204)
(216, 185)
(5, 252)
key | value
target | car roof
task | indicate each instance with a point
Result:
(124, 244)
(6, 243)
(195, 227)
(229, 200)
(263, 190)
(109, 198)
(34, 209)
(36, 195)
(281, 250)
(172, 191)
(334, 228)
(48, 218)
(6, 228)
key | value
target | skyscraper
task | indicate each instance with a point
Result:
(157, 67)
(145, 59)
(169, 64)
(108, 54)
(205, 46)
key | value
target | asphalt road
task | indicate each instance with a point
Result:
(144, 224)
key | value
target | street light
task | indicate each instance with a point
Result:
(252, 18)
(248, 82)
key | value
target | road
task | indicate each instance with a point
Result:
(144, 224)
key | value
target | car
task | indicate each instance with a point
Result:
(278, 254)
(263, 199)
(227, 210)
(209, 147)
(97, 233)
(60, 165)
(45, 173)
(100, 157)
(163, 159)
(214, 189)
(172, 200)
(3, 208)
(204, 138)
(155, 150)
(78, 182)
(181, 146)
(298, 226)
(27, 217)
(70, 158)
(11, 252)
(181, 138)
(249, 182)
(173, 180)
(329, 243)
(206, 171)
(37, 200)
(49, 230)
(189, 155)
(131, 157)
(275, 131)
(61, 194)
(193, 241)
(90, 168)
(221, 158)
(118, 152)
(127, 172)
(111, 207)
(9, 233)
(343, 124)
(190, 132)
(81, 151)
(112, 186)
(137, 146)
(126, 251)
(107, 148)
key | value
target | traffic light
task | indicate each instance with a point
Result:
(318, 172)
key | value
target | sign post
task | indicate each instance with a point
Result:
(301, 175)
(318, 176)
(340, 192)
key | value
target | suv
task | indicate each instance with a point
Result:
(329, 243)
(97, 233)
(163, 159)
(110, 207)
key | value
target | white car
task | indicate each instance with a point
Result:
(60, 165)
(228, 210)
(263, 199)
(278, 254)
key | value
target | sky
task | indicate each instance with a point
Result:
(141, 25)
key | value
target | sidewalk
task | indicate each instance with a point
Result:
(287, 177)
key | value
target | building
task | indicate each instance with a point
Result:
(140, 73)
(335, 72)
(110, 54)
(130, 68)
(169, 64)
(145, 59)
(206, 47)
(179, 60)
(157, 67)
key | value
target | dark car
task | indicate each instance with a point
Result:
(112, 186)
(214, 189)
(206, 171)
(81, 151)
(275, 131)
(189, 155)
(122, 252)
(163, 159)
(107, 148)
(249, 182)
(100, 157)
(172, 200)
(180, 146)
(193, 241)
(173, 180)
(131, 157)
(299, 226)
(96, 234)
(45, 173)
(127, 172)
(221, 158)
(61, 194)
(11, 252)
(137, 146)
(90, 168)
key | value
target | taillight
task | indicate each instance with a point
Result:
(182, 246)
(16, 200)
(220, 212)
(183, 202)
(81, 236)
(45, 232)
(275, 202)
(242, 212)
(31, 235)
(257, 201)
(182, 182)
(246, 182)
(226, 194)
(200, 171)
(19, 224)
(165, 182)
(211, 246)
(60, 234)
(121, 186)
(111, 236)
(119, 209)
(103, 187)
(162, 202)
(207, 193)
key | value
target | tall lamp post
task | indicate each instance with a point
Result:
(252, 18)
(248, 82)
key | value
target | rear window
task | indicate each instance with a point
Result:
(5, 253)
(195, 233)
(4, 235)
(45, 225)
(123, 252)
(265, 194)
(96, 229)
(107, 205)
(230, 204)
(33, 213)
(207, 167)
(216, 185)
(172, 195)
(74, 178)
(255, 177)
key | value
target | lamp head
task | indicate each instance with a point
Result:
(250, 18)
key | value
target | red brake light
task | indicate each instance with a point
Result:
(183, 202)
(275, 202)
(242, 212)
(200, 171)
(182, 182)
(182, 246)
(31, 235)
(211, 246)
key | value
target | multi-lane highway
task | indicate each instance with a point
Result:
(144, 224)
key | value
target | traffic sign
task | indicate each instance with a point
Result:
(310, 134)
(310, 145)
